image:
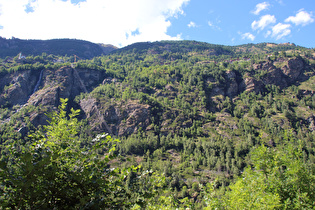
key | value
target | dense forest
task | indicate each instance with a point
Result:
(159, 125)
(60, 47)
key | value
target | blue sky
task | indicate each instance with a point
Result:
(122, 22)
(230, 22)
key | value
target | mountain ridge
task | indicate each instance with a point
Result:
(87, 50)
(61, 47)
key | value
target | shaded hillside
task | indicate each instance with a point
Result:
(61, 47)
(175, 47)
(211, 50)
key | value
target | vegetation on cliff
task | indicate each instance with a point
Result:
(198, 115)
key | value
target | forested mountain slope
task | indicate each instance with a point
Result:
(190, 110)
(61, 47)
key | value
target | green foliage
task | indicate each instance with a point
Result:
(54, 171)
(279, 179)
(189, 118)
(59, 47)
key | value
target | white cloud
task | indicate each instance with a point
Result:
(301, 18)
(263, 22)
(100, 21)
(268, 33)
(192, 24)
(280, 30)
(260, 7)
(280, 2)
(212, 25)
(248, 36)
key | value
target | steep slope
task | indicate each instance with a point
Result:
(192, 111)
(196, 64)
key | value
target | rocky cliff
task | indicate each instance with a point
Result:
(262, 74)
(44, 88)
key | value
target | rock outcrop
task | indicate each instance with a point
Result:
(17, 87)
(119, 120)
(65, 82)
(293, 69)
(251, 84)
(233, 87)
(45, 88)
(263, 73)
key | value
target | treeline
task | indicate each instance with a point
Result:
(60, 47)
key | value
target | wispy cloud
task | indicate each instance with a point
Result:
(263, 22)
(280, 30)
(301, 18)
(268, 33)
(212, 25)
(280, 2)
(95, 20)
(248, 36)
(192, 24)
(260, 7)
